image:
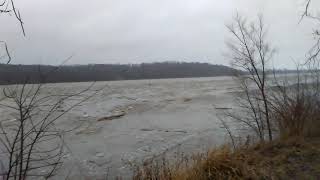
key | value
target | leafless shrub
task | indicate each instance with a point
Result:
(313, 54)
(250, 52)
(265, 107)
(282, 107)
(295, 106)
(31, 144)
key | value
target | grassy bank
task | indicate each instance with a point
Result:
(293, 158)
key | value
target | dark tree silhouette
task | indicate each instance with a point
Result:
(11, 74)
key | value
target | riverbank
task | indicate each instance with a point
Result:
(293, 158)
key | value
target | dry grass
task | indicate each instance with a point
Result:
(293, 158)
(296, 113)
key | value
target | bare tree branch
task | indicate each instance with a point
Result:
(250, 52)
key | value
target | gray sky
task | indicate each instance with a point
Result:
(135, 31)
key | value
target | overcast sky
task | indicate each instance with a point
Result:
(135, 31)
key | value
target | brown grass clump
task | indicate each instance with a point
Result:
(293, 158)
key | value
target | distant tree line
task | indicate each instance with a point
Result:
(11, 74)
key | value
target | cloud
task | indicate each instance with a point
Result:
(126, 31)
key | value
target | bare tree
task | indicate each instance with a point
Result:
(250, 52)
(314, 52)
(8, 7)
(31, 144)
